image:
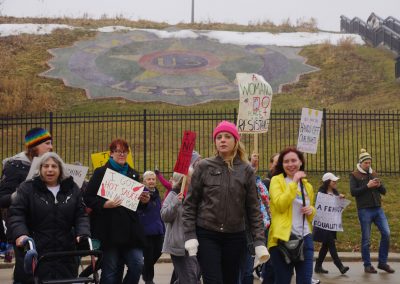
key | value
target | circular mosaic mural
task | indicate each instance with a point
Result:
(139, 66)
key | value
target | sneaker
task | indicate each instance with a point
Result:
(315, 281)
(370, 269)
(386, 267)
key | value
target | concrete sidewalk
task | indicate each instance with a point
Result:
(344, 256)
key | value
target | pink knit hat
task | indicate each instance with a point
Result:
(226, 126)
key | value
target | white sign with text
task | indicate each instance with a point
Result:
(329, 211)
(309, 129)
(117, 186)
(254, 103)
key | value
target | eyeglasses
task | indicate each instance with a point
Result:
(121, 153)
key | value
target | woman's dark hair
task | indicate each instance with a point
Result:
(119, 142)
(279, 166)
(324, 187)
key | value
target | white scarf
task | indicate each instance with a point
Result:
(362, 171)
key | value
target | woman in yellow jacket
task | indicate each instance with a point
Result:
(287, 213)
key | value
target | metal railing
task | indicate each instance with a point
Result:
(155, 137)
(386, 32)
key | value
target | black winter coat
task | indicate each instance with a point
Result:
(14, 173)
(114, 227)
(53, 224)
(365, 197)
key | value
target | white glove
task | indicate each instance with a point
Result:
(262, 255)
(191, 246)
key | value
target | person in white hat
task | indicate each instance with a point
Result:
(326, 237)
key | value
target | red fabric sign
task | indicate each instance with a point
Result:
(185, 152)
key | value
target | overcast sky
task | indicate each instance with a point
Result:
(327, 12)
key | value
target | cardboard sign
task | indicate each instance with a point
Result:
(117, 186)
(101, 158)
(329, 212)
(185, 152)
(78, 173)
(254, 104)
(310, 126)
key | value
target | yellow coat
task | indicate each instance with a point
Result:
(282, 196)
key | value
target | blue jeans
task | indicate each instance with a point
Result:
(283, 271)
(246, 269)
(375, 215)
(113, 264)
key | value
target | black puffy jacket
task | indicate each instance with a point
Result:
(52, 224)
(14, 173)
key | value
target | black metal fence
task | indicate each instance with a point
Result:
(155, 137)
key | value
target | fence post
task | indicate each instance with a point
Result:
(51, 123)
(144, 140)
(234, 116)
(325, 142)
(397, 68)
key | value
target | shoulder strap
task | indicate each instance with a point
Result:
(304, 203)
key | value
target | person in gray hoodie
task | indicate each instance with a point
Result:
(186, 268)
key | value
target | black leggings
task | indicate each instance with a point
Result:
(331, 246)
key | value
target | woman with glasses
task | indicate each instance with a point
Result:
(120, 233)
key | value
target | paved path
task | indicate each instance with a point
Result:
(354, 275)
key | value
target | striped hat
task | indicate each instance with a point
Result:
(364, 155)
(36, 136)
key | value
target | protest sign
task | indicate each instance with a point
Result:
(254, 103)
(185, 152)
(101, 158)
(117, 186)
(78, 173)
(329, 212)
(310, 126)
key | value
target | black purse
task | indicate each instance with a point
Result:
(293, 249)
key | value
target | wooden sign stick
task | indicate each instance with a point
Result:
(183, 184)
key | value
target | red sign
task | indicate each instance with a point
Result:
(185, 152)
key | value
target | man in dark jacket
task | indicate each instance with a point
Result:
(367, 188)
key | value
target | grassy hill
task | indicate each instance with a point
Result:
(351, 76)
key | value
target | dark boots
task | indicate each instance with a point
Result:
(318, 267)
(343, 269)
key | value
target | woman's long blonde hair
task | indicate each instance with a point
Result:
(238, 150)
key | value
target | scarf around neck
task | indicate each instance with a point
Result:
(362, 171)
(123, 170)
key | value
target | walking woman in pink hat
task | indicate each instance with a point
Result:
(221, 196)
